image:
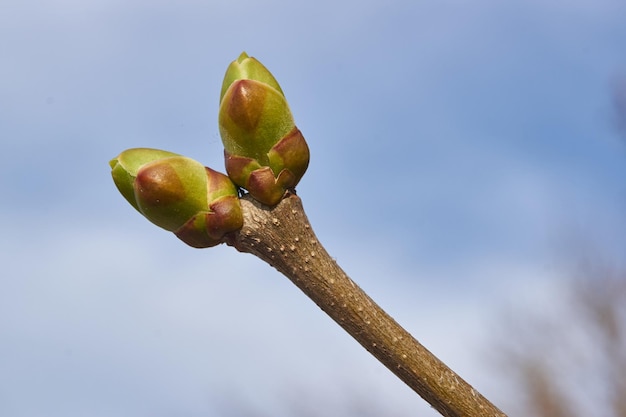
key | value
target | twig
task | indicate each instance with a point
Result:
(283, 238)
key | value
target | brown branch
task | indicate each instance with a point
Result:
(283, 238)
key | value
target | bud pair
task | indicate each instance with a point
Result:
(198, 204)
(265, 152)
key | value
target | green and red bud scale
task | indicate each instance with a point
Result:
(265, 152)
(180, 195)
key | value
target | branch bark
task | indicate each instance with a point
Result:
(283, 237)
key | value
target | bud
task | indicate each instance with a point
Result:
(265, 152)
(198, 204)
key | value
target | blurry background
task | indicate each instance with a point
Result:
(468, 171)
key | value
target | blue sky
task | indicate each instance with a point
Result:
(460, 152)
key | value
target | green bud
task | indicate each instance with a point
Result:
(265, 152)
(198, 204)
